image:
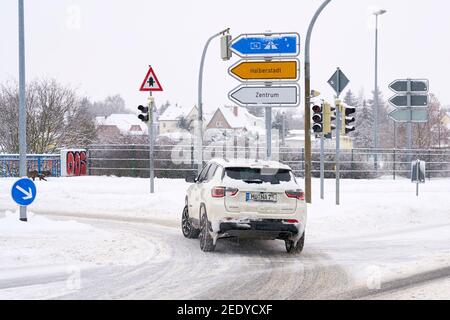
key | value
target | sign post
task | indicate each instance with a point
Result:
(338, 82)
(22, 106)
(150, 84)
(273, 48)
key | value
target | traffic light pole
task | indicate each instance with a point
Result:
(308, 161)
(151, 142)
(200, 103)
(338, 145)
(22, 106)
(322, 165)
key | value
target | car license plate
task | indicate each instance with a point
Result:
(261, 196)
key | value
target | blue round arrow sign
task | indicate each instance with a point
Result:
(23, 192)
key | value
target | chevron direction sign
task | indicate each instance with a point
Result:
(410, 100)
(413, 115)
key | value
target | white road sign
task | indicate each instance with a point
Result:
(266, 96)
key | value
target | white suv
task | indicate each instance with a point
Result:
(245, 199)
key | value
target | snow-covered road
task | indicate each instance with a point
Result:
(381, 243)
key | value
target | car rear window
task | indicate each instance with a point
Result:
(259, 175)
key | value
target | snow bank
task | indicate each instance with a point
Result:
(11, 226)
(43, 242)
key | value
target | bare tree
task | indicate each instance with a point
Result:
(111, 104)
(56, 117)
(427, 135)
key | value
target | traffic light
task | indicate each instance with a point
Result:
(346, 111)
(144, 113)
(317, 118)
(329, 115)
(225, 51)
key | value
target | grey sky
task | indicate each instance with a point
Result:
(105, 46)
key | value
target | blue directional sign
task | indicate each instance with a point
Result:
(23, 192)
(266, 45)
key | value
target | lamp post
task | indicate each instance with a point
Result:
(200, 101)
(308, 160)
(376, 107)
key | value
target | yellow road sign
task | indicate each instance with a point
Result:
(265, 70)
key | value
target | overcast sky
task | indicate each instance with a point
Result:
(104, 47)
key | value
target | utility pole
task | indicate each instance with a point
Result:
(22, 105)
(308, 160)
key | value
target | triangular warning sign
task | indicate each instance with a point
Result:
(151, 82)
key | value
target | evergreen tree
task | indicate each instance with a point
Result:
(350, 99)
(363, 135)
(385, 126)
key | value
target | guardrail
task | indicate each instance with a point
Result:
(133, 160)
(9, 164)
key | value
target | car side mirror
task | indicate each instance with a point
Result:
(191, 177)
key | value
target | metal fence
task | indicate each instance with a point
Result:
(9, 164)
(175, 161)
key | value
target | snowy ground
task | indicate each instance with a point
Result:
(379, 233)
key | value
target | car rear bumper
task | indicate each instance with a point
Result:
(259, 229)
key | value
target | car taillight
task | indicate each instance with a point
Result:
(232, 191)
(297, 194)
(218, 192)
(290, 221)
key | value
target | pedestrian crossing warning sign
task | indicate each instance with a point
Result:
(151, 82)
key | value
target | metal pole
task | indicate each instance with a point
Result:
(417, 177)
(375, 127)
(307, 129)
(338, 144)
(322, 166)
(200, 103)
(409, 124)
(395, 145)
(152, 144)
(268, 116)
(22, 105)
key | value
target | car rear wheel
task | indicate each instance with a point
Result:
(188, 229)
(206, 240)
(291, 248)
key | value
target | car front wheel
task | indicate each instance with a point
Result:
(188, 229)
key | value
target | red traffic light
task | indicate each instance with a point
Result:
(316, 108)
(143, 109)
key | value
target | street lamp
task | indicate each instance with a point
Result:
(200, 101)
(307, 115)
(376, 107)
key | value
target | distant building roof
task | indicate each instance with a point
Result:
(127, 123)
(239, 118)
(173, 113)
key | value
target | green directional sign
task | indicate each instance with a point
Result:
(410, 115)
(417, 100)
(402, 85)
